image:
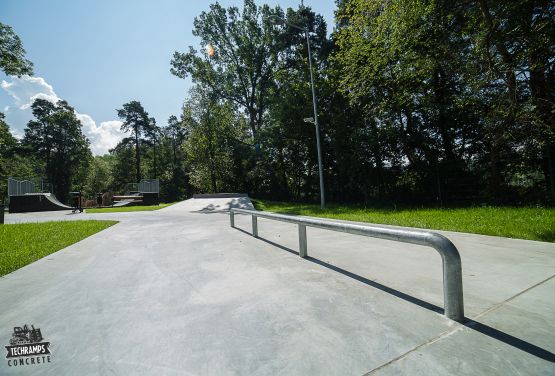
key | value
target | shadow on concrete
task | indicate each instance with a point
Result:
(379, 286)
(74, 213)
(469, 323)
(211, 208)
(236, 203)
(510, 340)
(270, 242)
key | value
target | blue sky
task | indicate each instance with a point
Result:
(100, 54)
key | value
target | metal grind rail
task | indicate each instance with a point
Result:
(451, 260)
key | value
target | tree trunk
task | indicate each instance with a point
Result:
(549, 156)
(155, 167)
(540, 88)
(137, 157)
(252, 124)
(174, 147)
(498, 134)
(376, 150)
(211, 155)
(443, 119)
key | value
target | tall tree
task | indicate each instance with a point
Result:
(40, 132)
(7, 141)
(419, 100)
(153, 134)
(243, 54)
(8, 144)
(57, 140)
(413, 57)
(13, 162)
(177, 134)
(99, 177)
(290, 142)
(12, 53)
(135, 121)
(123, 157)
(173, 166)
(515, 42)
(209, 146)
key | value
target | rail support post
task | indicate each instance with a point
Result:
(302, 241)
(453, 292)
(254, 226)
(231, 218)
(452, 276)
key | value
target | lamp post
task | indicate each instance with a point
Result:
(276, 20)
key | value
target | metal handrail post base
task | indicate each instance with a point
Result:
(254, 226)
(302, 241)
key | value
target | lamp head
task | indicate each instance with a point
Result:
(276, 20)
(309, 120)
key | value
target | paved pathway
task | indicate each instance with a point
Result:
(177, 291)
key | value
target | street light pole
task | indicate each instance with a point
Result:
(279, 20)
(318, 147)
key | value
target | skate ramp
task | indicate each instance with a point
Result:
(36, 202)
(127, 201)
(122, 203)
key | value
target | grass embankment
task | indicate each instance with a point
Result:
(522, 223)
(121, 209)
(24, 243)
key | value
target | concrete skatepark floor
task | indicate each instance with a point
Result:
(177, 291)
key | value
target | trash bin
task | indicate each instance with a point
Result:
(1, 214)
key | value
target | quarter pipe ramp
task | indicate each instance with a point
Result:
(35, 202)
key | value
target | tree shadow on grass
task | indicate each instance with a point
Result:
(547, 236)
(469, 323)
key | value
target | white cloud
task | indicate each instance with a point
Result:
(104, 136)
(17, 133)
(24, 90)
(51, 98)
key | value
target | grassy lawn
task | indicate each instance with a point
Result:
(22, 244)
(523, 223)
(128, 208)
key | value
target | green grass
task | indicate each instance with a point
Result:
(24, 243)
(128, 208)
(512, 222)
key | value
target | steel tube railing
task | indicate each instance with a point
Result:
(451, 260)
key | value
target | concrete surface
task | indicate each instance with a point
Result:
(177, 291)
